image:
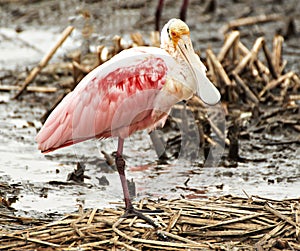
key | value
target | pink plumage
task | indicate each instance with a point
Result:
(89, 110)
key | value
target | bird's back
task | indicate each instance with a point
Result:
(115, 99)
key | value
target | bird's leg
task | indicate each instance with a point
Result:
(158, 13)
(120, 163)
(183, 10)
(129, 209)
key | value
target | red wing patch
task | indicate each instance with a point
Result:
(149, 74)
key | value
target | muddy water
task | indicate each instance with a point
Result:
(39, 181)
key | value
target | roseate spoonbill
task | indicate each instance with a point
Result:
(133, 91)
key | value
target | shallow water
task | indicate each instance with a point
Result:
(36, 176)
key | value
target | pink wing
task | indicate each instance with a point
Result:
(115, 99)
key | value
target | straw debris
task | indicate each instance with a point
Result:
(252, 223)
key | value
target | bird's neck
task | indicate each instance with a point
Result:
(172, 51)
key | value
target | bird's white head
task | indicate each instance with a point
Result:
(175, 39)
(172, 32)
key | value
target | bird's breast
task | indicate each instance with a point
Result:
(177, 89)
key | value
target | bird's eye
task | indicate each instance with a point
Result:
(173, 34)
(168, 31)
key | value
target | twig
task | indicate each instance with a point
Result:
(77, 230)
(218, 67)
(210, 140)
(241, 83)
(269, 235)
(250, 20)
(92, 215)
(128, 247)
(294, 97)
(176, 237)
(137, 39)
(82, 68)
(281, 216)
(275, 82)
(173, 220)
(159, 145)
(35, 241)
(277, 53)
(269, 60)
(219, 133)
(35, 71)
(230, 42)
(155, 38)
(251, 56)
(92, 244)
(284, 90)
(244, 51)
(159, 243)
(99, 50)
(29, 88)
(240, 219)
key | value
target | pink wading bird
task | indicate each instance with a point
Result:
(133, 91)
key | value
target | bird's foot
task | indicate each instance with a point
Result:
(132, 212)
